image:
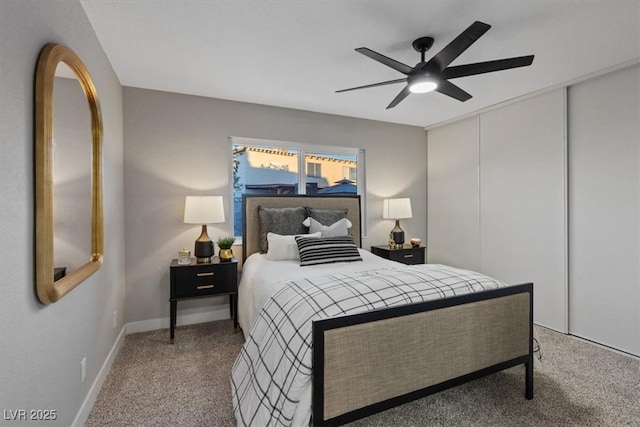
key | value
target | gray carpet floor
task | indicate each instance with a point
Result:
(155, 383)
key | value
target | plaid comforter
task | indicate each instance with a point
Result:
(274, 365)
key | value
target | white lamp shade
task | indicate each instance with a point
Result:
(396, 208)
(203, 210)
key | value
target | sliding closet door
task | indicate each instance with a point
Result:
(452, 161)
(523, 199)
(604, 219)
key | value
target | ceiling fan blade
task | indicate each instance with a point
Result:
(486, 67)
(458, 45)
(402, 95)
(398, 66)
(447, 88)
(390, 82)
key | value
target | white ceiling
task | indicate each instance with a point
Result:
(297, 53)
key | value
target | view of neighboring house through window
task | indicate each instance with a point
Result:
(314, 169)
(261, 167)
(350, 173)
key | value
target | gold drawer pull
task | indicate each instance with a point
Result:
(205, 287)
(408, 256)
(205, 274)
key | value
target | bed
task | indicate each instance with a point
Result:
(332, 343)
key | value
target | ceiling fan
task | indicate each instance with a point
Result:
(435, 73)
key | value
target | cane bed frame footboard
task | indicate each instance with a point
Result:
(370, 362)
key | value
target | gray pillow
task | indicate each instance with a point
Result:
(283, 221)
(326, 216)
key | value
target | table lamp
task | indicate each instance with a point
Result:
(203, 210)
(397, 209)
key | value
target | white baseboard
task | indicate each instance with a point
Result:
(221, 313)
(87, 404)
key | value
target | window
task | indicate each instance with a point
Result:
(349, 173)
(314, 169)
(272, 167)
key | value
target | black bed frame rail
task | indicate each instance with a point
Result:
(320, 326)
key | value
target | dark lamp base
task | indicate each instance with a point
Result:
(397, 234)
(203, 250)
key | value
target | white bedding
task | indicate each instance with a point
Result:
(261, 278)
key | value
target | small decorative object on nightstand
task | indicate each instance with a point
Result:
(225, 244)
(197, 280)
(184, 256)
(405, 254)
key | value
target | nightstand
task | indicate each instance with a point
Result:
(204, 280)
(407, 254)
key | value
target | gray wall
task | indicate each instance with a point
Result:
(178, 145)
(41, 346)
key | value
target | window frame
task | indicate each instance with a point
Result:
(303, 149)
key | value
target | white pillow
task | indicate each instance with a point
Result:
(282, 248)
(338, 228)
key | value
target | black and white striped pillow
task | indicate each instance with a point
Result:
(325, 250)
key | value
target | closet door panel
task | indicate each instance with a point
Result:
(452, 162)
(523, 199)
(604, 213)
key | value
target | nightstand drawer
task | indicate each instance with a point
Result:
(407, 256)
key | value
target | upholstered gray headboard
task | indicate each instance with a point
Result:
(251, 221)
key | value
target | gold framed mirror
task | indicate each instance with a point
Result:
(50, 284)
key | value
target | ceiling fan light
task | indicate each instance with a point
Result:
(423, 86)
